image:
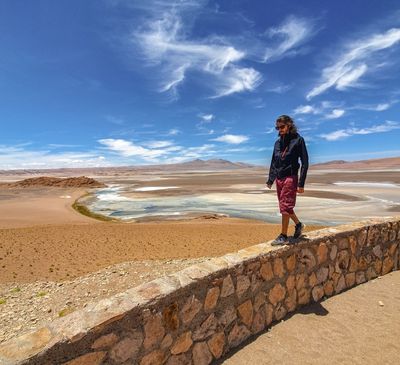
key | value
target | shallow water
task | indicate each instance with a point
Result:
(251, 204)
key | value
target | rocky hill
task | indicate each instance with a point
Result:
(70, 182)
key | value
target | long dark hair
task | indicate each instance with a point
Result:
(285, 119)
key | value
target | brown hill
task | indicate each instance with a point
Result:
(70, 182)
(377, 163)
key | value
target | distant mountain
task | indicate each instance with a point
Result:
(193, 165)
(378, 163)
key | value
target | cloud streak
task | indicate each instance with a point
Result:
(348, 132)
(356, 60)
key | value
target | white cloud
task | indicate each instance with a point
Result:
(173, 132)
(335, 113)
(354, 62)
(292, 33)
(343, 133)
(323, 110)
(159, 144)
(232, 139)
(165, 42)
(207, 117)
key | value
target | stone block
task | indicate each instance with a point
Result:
(211, 298)
(360, 277)
(92, 358)
(127, 348)
(279, 268)
(307, 259)
(105, 342)
(277, 294)
(317, 293)
(280, 312)
(333, 252)
(322, 253)
(157, 357)
(216, 344)
(190, 309)
(153, 331)
(227, 287)
(328, 288)
(259, 301)
(266, 271)
(227, 316)
(206, 329)
(291, 263)
(182, 344)
(350, 279)
(387, 265)
(245, 311)
(291, 300)
(242, 284)
(201, 354)
(237, 335)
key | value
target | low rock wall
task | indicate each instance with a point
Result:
(197, 315)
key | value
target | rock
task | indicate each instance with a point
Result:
(190, 309)
(269, 314)
(245, 311)
(291, 300)
(333, 252)
(353, 244)
(328, 288)
(153, 330)
(259, 300)
(291, 263)
(387, 265)
(242, 284)
(322, 275)
(381, 303)
(258, 321)
(227, 316)
(307, 259)
(207, 328)
(92, 358)
(341, 284)
(301, 280)
(317, 293)
(276, 294)
(279, 269)
(216, 344)
(170, 317)
(211, 298)
(182, 359)
(105, 342)
(290, 282)
(201, 354)
(227, 287)
(360, 277)
(342, 261)
(350, 279)
(266, 271)
(353, 264)
(166, 342)
(182, 344)
(280, 312)
(377, 250)
(157, 357)
(127, 348)
(322, 253)
(237, 335)
(303, 296)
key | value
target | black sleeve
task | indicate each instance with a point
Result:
(303, 154)
(272, 171)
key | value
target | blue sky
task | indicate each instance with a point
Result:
(115, 82)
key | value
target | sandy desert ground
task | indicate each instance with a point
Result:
(48, 247)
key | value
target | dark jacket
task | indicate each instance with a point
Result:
(285, 158)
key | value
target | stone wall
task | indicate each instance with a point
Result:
(196, 315)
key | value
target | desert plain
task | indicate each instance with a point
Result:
(54, 260)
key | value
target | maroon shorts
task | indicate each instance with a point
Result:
(286, 189)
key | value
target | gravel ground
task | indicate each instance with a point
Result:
(24, 307)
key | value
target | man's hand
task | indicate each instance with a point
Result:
(300, 190)
(269, 186)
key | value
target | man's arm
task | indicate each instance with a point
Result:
(304, 162)
(272, 171)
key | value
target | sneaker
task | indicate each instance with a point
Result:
(298, 229)
(280, 240)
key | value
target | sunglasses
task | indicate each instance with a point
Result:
(280, 127)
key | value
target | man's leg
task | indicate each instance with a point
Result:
(294, 218)
(285, 223)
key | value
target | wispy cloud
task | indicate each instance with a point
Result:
(358, 58)
(207, 117)
(326, 109)
(165, 42)
(348, 132)
(291, 33)
(232, 139)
